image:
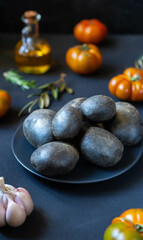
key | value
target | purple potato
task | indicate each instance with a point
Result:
(54, 158)
(126, 124)
(101, 147)
(37, 127)
(76, 102)
(66, 123)
(98, 108)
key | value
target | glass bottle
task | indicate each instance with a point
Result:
(32, 53)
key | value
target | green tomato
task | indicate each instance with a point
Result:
(122, 231)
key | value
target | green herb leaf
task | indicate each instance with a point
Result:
(46, 100)
(45, 86)
(55, 93)
(139, 63)
(13, 77)
(41, 102)
(69, 90)
(24, 108)
(61, 88)
(42, 96)
(33, 95)
(32, 105)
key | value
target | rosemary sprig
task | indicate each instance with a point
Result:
(13, 77)
(46, 91)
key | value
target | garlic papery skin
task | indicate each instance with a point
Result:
(2, 216)
(15, 204)
(15, 215)
(23, 198)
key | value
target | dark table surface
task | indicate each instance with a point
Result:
(69, 211)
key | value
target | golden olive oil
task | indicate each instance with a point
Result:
(32, 53)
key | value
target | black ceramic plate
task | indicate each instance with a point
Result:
(84, 172)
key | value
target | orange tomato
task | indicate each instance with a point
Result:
(128, 86)
(129, 226)
(90, 31)
(5, 102)
(84, 59)
(133, 217)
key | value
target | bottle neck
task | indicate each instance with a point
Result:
(31, 20)
(31, 30)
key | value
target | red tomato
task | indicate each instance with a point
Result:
(90, 31)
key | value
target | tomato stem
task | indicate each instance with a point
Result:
(139, 227)
(135, 78)
(92, 22)
(85, 47)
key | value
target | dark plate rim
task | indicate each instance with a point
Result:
(71, 181)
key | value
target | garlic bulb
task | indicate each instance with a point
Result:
(15, 204)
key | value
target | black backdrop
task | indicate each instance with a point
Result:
(60, 16)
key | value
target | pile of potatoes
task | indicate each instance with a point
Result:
(96, 128)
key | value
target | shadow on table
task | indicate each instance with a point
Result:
(33, 228)
(109, 42)
(58, 67)
(105, 71)
(123, 182)
(10, 118)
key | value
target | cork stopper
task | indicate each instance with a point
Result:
(31, 16)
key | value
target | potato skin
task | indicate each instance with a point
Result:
(76, 102)
(37, 127)
(98, 108)
(54, 158)
(101, 147)
(66, 123)
(126, 124)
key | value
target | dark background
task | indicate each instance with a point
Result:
(60, 16)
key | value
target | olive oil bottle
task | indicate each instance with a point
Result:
(32, 53)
